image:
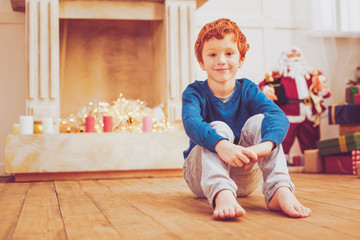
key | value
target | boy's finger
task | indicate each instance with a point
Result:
(237, 163)
(243, 159)
(245, 166)
(250, 154)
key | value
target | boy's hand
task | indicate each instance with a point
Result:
(270, 93)
(235, 155)
(262, 149)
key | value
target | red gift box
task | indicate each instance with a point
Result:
(340, 164)
(350, 91)
(357, 98)
(355, 159)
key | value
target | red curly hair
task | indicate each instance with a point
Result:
(219, 29)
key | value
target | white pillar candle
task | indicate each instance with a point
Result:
(26, 125)
(48, 125)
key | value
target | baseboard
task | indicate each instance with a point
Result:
(118, 174)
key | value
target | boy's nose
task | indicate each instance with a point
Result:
(221, 59)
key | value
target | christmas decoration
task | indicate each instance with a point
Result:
(300, 92)
(127, 115)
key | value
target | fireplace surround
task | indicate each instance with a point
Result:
(80, 51)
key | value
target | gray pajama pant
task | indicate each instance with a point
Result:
(206, 174)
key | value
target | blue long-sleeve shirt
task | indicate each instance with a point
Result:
(200, 107)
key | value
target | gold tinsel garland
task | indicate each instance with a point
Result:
(127, 116)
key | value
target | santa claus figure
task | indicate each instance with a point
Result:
(299, 92)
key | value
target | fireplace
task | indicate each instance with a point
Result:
(81, 51)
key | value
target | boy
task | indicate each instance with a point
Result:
(232, 126)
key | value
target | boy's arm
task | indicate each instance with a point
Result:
(275, 123)
(198, 130)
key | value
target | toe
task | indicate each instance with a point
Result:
(303, 211)
(221, 214)
(226, 213)
(239, 212)
(307, 211)
(292, 211)
(232, 213)
(216, 215)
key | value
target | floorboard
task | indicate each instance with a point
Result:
(165, 208)
(12, 197)
(80, 215)
(128, 219)
(40, 216)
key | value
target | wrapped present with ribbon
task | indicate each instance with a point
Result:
(343, 163)
(313, 162)
(355, 154)
(344, 114)
(349, 129)
(338, 164)
(357, 98)
(350, 91)
(342, 144)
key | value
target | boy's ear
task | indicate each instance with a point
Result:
(202, 65)
(241, 62)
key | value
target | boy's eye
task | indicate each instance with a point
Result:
(212, 54)
(229, 53)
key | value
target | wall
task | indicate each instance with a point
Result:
(12, 71)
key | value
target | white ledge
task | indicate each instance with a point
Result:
(334, 34)
(111, 10)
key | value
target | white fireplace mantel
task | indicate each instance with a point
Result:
(111, 10)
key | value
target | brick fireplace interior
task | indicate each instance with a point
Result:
(99, 59)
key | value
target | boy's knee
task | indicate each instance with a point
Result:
(223, 130)
(253, 124)
(251, 131)
(255, 121)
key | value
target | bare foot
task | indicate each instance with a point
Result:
(284, 200)
(226, 206)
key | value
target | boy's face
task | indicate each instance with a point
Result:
(221, 59)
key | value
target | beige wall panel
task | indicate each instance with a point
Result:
(13, 72)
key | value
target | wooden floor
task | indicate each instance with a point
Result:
(164, 208)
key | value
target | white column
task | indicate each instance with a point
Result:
(42, 31)
(180, 54)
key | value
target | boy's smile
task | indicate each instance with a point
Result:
(221, 60)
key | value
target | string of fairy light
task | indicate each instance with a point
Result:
(127, 115)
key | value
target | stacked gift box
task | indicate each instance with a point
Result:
(352, 93)
(341, 154)
(346, 114)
